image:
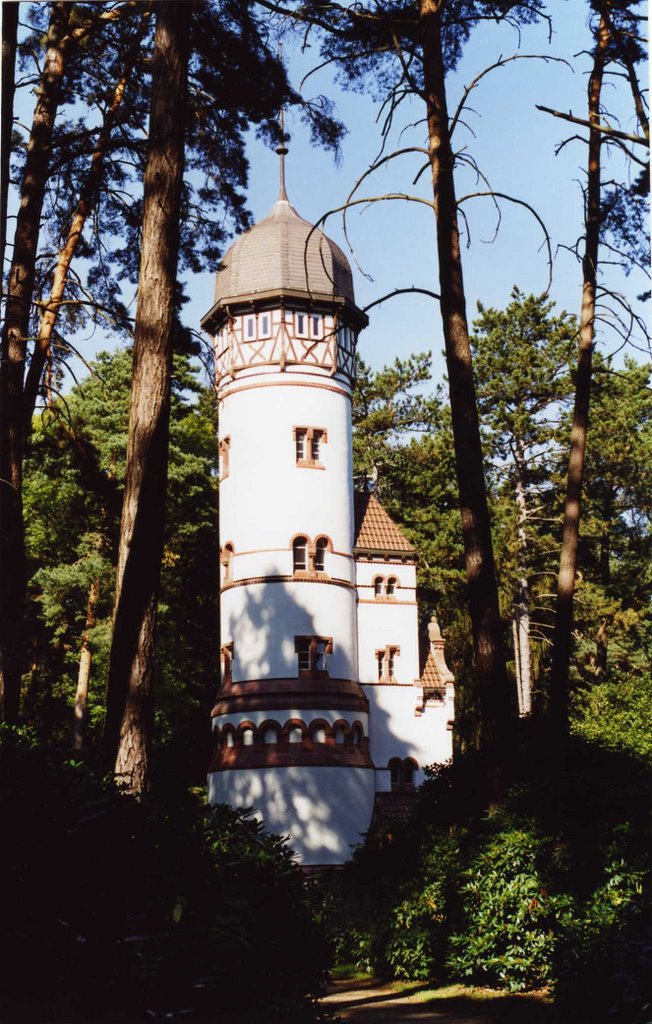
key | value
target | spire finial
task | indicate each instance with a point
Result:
(281, 149)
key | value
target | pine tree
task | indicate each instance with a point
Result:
(521, 357)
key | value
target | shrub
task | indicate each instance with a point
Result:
(129, 911)
(512, 922)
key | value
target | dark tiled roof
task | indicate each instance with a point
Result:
(375, 531)
(392, 809)
(271, 257)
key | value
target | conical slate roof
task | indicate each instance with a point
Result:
(271, 257)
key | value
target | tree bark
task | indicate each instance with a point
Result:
(132, 668)
(85, 662)
(9, 39)
(486, 722)
(85, 204)
(522, 620)
(558, 702)
(13, 348)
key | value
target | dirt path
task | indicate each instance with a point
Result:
(369, 1003)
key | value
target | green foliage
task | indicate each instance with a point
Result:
(72, 494)
(134, 911)
(534, 895)
(512, 924)
(617, 714)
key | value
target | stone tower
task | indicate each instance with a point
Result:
(301, 560)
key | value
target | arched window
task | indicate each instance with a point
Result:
(408, 769)
(270, 734)
(228, 739)
(300, 554)
(295, 734)
(395, 769)
(339, 734)
(378, 586)
(247, 737)
(227, 563)
(321, 547)
(390, 589)
(356, 734)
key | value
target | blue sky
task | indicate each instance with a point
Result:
(514, 146)
(512, 142)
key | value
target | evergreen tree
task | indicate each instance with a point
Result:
(74, 478)
(521, 357)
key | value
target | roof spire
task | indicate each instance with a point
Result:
(281, 149)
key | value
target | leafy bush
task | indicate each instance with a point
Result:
(512, 922)
(538, 894)
(130, 911)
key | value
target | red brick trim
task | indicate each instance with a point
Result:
(386, 600)
(234, 389)
(307, 578)
(274, 757)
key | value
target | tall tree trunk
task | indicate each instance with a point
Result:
(85, 662)
(85, 204)
(485, 727)
(13, 348)
(561, 653)
(131, 669)
(522, 617)
(9, 39)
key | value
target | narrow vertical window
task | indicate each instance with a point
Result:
(378, 586)
(224, 450)
(315, 326)
(300, 438)
(227, 663)
(315, 443)
(390, 589)
(250, 327)
(227, 563)
(300, 554)
(303, 652)
(320, 554)
(263, 325)
(301, 324)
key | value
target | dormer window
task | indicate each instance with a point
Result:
(308, 443)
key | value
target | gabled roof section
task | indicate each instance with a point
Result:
(375, 532)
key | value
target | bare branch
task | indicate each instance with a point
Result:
(605, 129)
(518, 202)
(500, 63)
(402, 291)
